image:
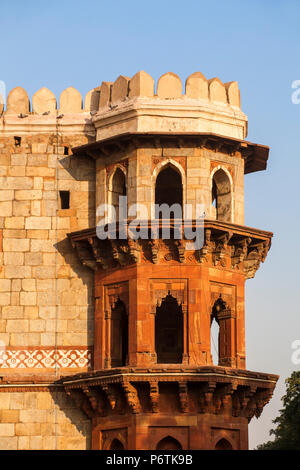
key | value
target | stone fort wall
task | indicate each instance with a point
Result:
(46, 295)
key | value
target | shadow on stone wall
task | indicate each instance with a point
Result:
(82, 199)
(73, 427)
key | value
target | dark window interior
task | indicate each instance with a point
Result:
(116, 445)
(168, 188)
(64, 199)
(17, 141)
(221, 196)
(223, 444)
(118, 189)
(169, 331)
(119, 335)
(168, 443)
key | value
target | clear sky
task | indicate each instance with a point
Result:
(256, 42)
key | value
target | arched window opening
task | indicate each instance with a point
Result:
(119, 335)
(169, 331)
(168, 443)
(223, 444)
(118, 189)
(214, 341)
(116, 445)
(214, 194)
(221, 196)
(168, 189)
(218, 333)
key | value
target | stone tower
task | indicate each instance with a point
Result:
(154, 384)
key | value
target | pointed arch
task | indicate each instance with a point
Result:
(119, 335)
(174, 166)
(116, 444)
(223, 444)
(221, 190)
(169, 443)
(215, 340)
(225, 317)
(169, 331)
(217, 308)
(117, 186)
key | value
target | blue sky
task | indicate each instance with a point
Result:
(61, 43)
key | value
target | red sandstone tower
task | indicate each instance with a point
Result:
(154, 384)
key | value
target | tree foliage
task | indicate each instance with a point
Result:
(287, 431)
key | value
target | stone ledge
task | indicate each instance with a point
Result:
(229, 246)
(217, 390)
(255, 155)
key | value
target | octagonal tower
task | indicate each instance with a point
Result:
(155, 384)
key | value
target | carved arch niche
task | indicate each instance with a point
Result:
(116, 324)
(113, 439)
(163, 437)
(223, 311)
(116, 187)
(225, 439)
(172, 292)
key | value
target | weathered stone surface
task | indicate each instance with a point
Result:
(92, 99)
(119, 89)
(17, 326)
(233, 93)
(25, 195)
(169, 86)
(70, 101)
(7, 429)
(217, 91)
(105, 94)
(141, 84)
(6, 195)
(17, 102)
(38, 223)
(6, 208)
(8, 443)
(196, 86)
(43, 101)
(14, 244)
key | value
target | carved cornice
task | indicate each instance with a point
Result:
(220, 390)
(255, 155)
(226, 246)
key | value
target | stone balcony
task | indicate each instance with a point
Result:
(230, 246)
(215, 390)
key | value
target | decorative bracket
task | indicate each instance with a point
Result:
(154, 247)
(183, 397)
(132, 397)
(154, 395)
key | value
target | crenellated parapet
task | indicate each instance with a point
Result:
(133, 104)
(137, 105)
(44, 102)
(141, 85)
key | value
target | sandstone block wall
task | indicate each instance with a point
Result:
(45, 293)
(41, 420)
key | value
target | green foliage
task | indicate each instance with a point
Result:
(287, 431)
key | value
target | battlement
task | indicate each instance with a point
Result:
(133, 105)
